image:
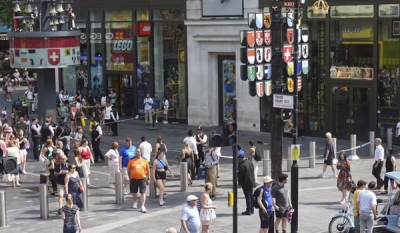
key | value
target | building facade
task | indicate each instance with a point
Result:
(134, 48)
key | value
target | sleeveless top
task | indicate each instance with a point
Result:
(207, 214)
(389, 165)
(49, 153)
(161, 163)
(188, 156)
(85, 153)
(22, 145)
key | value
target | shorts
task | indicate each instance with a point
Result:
(283, 212)
(328, 161)
(134, 185)
(161, 175)
(61, 189)
(357, 223)
(125, 174)
(17, 171)
(264, 219)
(23, 152)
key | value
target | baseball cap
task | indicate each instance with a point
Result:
(200, 127)
(191, 198)
(267, 179)
(241, 154)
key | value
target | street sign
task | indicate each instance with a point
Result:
(295, 149)
(283, 101)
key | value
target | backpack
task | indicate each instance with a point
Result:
(257, 155)
(256, 194)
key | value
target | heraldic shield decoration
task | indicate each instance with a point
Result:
(260, 88)
(259, 38)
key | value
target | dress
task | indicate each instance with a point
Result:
(207, 215)
(344, 178)
(73, 189)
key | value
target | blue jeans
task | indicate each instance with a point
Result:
(70, 229)
(248, 194)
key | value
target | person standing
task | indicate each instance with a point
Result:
(96, 134)
(114, 121)
(210, 162)
(329, 154)
(360, 186)
(251, 156)
(113, 162)
(166, 106)
(146, 149)
(190, 217)
(264, 201)
(246, 181)
(201, 139)
(344, 178)
(207, 211)
(46, 131)
(35, 132)
(378, 164)
(107, 117)
(139, 171)
(366, 206)
(148, 109)
(126, 153)
(390, 166)
(60, 170)
(281, 202)
(156, 106)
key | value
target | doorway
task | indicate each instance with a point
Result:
(351, 111)
(122, 86)
(227, 86)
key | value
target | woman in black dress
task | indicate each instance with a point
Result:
(390, 166)
(72, 184)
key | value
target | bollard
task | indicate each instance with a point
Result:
(153, 189)
(184, 176)
(334, 151)
(371, 145)
(389, 138)
(85, 195)
(289, 160)
(266, 163)
(44, 201)
(119, 188)
(353, 144)
(312, 155)
(3, 209)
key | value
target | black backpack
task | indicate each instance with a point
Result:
(256, 194)
(257, 155)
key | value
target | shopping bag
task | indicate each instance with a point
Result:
(83, 122)
(201, 173)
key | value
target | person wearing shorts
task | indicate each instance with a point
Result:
(360, 186)
(281, 200)
(139, 171)
(265, 203)
(60, 170)
(329, 156)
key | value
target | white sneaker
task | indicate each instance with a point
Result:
(165, 122)
(134, 205)
(143, 210)
(322, 175)
(23, 172)
(343, 202)
(125, 191)
(334, 176)
(161, 202)
(156, 121)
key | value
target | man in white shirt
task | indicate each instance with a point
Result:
(378, 164)
(166, 106)
(366, 208)
(107, 117)
(29, 98)
(148, 109)
(191, 140)
(146, 149)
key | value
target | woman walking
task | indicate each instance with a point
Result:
(22, 149)
(48, 155)
(73, 184)
(188, 157)
(390, 166)
(160, 146)
(13, 151)
(78, 163)
(87, 159)
(113, 161)
(344, 178)
(250, 155)
(160, 168)
(70, 215)
(207, 211)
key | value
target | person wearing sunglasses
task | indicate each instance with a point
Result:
(72, 184)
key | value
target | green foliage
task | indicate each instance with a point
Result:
(6, 13)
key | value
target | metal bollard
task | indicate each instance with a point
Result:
(184, 176)
(334, 150)
(266, 163)
(372, 145)
(312, 155)
(44, 201)
(353, 143)
(85, 195)
(153, 188)
(3, 209)
(289, 160)
(119, 188)
(389, 138)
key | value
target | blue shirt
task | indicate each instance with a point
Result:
(156, 103)
(127, 154)
(161, 163)
(268, 198)
(191, 216)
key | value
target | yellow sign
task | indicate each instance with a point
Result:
(295, 152)
(182, 56)
(67, 52)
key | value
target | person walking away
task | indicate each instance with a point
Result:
(139, 171)
(13, 151)
(127, 152)
(107, 117)
(329, 154)
(70, 215)
(246, 181)
(148, 106)
(207, 211)
(251, 156)
(210, 162)
(60, 171)
(166, 106)
(146, 149)
(160, 168)
(201, 139)
(114, 120)
(390, 166)
(156, 106)
(113, 162)
(188, 157)
(366, 206)
(281, 202)
(190, 218)
(360, 186)
(73, 184)
(344, 179)
(87, 159)
(96, 134)
(264, 201)
(160, 146)
(378, 164)
(191, 140)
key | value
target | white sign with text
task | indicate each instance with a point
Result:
(283, 101)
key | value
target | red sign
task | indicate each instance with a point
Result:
(42, 42)
(54, 56)
(144, 29)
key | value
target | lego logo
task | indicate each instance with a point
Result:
(146, 28)
(123, 46)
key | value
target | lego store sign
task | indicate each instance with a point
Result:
(121, 44)
(144, 29)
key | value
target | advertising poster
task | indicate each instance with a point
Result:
(143, 84)
(96, 75)
(229, 87)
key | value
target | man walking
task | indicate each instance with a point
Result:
(146, 149)
(148, 109)
(378, 164)
(60, 170)
(366, 206)
(246, 181)
(360, 186)
(190, 218)
(329, 154)
(210, 162)
(201, 139)
(264, 201)
(281, 200)
(139, 171)
(96, 134)
(126, 153)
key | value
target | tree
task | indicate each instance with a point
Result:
(6, 13)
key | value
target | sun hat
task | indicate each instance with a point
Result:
(191, 198)
(267, 179)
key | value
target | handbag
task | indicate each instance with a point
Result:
(81, 189)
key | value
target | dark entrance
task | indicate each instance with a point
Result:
(125, 98)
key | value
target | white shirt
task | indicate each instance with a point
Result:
(107, 113)
(103, 100)
(146, 150)
(114, 155)
(218, 151)
(29, 95)
(148, 103)
(98, 129)
(61, 97)
(78, 105)
(166, 105)
(192, 144)
(366, 199)
(398, 129)
(379, 153)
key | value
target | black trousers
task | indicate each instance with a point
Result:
(96, 150)
(248, 195)
(114, 128)
(196, 164)
(52, 178)
(376, 172)
(36, 148)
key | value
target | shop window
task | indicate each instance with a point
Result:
(116, 16)
(389, 10)
(96, 58)
(119, 41)
(168, 15)
(142, 15)
(95, 15)
(143, 71)
(170, 66)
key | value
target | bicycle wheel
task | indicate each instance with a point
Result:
(339, 224)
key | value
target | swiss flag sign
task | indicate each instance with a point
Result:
(54, 56)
